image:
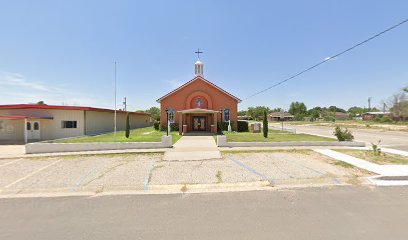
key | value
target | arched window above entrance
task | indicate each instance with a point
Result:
(199, 99)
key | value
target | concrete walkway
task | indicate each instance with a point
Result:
(384, 170)
(11, 151)
(193, 148)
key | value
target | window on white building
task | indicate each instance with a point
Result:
(69, 124)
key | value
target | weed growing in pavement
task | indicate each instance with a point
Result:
(218, 175)
(184, 189)
(376, 149)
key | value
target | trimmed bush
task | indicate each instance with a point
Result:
(127, 126)
(173, 127)
(243, 126)
(343, 135)
(265, 125)
(156, 125)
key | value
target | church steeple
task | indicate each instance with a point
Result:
(199, 66)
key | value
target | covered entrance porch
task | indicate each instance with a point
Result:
(197, 120)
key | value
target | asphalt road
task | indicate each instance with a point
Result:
(391, 139)
(310, 213)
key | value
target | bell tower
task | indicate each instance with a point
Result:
(198, 65)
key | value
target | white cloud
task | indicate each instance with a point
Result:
(18, 80)
(175, 83)
(15, 88)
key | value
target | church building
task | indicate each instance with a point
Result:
(199, 105)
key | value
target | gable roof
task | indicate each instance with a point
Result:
(193, 80)
(45, 106)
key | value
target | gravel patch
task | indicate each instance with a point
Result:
(127, 173)
(19, 169)
(194, 172)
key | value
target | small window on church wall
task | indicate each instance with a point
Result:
(226, 114)
(171, 115)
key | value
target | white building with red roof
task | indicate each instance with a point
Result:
(35, 122)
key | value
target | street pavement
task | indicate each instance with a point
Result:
(310, 213)
(391, 139)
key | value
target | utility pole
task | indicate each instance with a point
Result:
(369, 103)
(114, 121)
(125, 105)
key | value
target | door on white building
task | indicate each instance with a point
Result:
(33, 130)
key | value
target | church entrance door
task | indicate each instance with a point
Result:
(199, 123)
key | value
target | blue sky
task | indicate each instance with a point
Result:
(63, 51)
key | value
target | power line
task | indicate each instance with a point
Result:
(329, 58)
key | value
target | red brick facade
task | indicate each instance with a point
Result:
(205, 100)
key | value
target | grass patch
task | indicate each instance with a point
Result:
(343, 164)
(298, 151)
(383, 158)
(273, 136)
(147, 134)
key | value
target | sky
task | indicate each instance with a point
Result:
(63, 52)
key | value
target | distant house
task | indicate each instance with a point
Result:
(34, 122)
(371, 115)
(341, 116)
(276, 116)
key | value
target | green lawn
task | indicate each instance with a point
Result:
(273, 136)
(147, 134)
(383, 158)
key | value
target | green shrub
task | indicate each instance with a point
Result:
(242, 126)
(156, 125)
(173, 127)
(376, 148)
(127, 126)
(383, 119)
(224, 126)
(343, 135)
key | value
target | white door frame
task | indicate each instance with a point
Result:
(33, 129)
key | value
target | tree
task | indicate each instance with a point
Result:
(399, 106)
(336, 109)
(242, 113)
(314, 113)
(40, 103)
(127, 130)
(276, 109)
(405, 89)
(298, 109)
(265, 124)
(155, 113)
(257, 112)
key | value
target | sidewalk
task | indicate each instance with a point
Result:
(384, 170)
(193, 148)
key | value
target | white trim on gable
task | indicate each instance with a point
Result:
(191, 81)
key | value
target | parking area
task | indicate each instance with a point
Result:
(141, 172)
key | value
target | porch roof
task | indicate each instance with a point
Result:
(23, 117)
(198, 110)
